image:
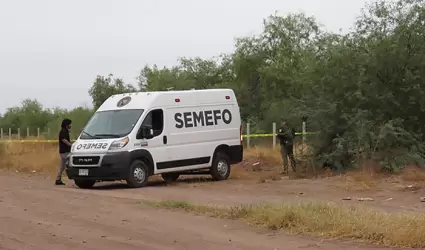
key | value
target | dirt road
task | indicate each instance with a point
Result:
(35, 215)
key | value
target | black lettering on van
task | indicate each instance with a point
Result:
(217, 116)
(187, 119)
(227, 119)
(201, 118)
(179, 121)
(198, 118)
(92, 146)
(209, 118)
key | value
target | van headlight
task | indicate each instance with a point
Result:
(119, 144)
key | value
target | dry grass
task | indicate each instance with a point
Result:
(263, 154)
(358, 182)
(322, 220)
(43, 157)
(364, 179)
(261, 164)
(413, 174)
(29, 157)
(370, 177)
(265, 164)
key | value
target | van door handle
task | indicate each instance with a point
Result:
(164, 139)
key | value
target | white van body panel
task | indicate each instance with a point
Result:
(195, 122)
(200, 141)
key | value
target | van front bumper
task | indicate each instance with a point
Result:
(113, 166)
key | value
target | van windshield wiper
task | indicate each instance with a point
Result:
(109, 135)
(93, 137)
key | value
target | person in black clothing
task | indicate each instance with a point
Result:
(64, 148)
(286, 136)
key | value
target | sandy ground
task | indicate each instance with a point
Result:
(34, 214)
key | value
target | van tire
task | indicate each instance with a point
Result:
(220, 168)
(84, 184)
(170, 177)
(138, 175)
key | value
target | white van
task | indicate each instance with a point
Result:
(135, 135)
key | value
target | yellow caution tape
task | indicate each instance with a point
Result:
(55, 141)
(268, 135)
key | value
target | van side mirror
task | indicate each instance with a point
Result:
(147, 133)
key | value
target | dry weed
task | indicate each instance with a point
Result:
(370, 177)
(321, 219)
(260, 164)
(29, 157)
(358, 181)
(413, 174)
(365, 178)
(264, 163)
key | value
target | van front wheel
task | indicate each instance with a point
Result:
(220, 169)
(138, 174)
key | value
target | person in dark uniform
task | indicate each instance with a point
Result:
(64, 148)
(286, 136)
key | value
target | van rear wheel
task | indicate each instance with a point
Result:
(170, 177)
(220, 169)
(138, 174)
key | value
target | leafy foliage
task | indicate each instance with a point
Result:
(104, 87)
(30, 113)
(33, 116)
(363, 91)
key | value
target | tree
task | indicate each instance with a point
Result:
(32, 115)
(104, 87)
(363, 91)
(29, 115)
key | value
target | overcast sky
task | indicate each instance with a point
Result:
(52, 50)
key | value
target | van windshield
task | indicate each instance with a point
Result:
(111, 124)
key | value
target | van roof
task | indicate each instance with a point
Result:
(145, 100)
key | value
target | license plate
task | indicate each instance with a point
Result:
(83, 172)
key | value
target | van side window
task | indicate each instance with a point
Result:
(155, 121)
